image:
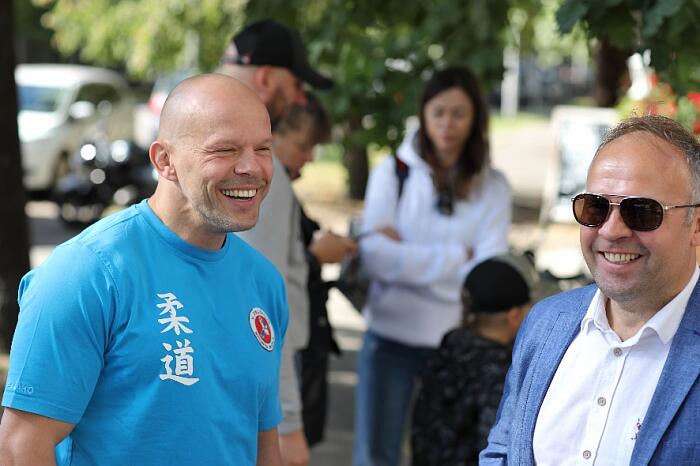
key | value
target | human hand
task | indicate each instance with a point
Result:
(389, 232)
(329, 248)
(294, 449)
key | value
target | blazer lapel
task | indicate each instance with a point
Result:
(680, 372)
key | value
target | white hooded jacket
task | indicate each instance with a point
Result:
(415, 295)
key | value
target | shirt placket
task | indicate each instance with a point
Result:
(610, 374)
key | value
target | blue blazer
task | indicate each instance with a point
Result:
(671, 431)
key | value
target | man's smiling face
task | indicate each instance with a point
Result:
(641, 266)
(223, 159)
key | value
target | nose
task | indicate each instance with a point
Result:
(248, 163)
(614, 227)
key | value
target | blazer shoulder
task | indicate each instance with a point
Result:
(572, 302)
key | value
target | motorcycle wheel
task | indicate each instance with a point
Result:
(75, 213)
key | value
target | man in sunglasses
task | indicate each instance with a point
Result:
(609, 374)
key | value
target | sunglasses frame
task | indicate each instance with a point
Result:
(664, 208)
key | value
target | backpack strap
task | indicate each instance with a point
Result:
(401, 169)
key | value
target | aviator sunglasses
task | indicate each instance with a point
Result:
(638, 213)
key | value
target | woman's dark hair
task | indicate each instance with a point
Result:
(475, 153)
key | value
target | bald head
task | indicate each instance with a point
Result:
(213, 156)
(203, 97)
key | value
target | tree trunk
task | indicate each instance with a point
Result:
(356, 162)
(14, 233)
(611, 67)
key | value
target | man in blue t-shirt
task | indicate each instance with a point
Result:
(154, 336)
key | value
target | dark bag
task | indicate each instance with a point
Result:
(352, 281)
(313, 359)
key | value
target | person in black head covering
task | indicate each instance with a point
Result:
(462, 387)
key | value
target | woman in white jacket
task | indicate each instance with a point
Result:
(454, 211)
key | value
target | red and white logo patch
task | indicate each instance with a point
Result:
(262, 328)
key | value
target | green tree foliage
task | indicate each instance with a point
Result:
(669, 28)
(147, 36)
(379, 53)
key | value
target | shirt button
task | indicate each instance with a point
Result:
(617, 352)
(586, 455)
(601, 401)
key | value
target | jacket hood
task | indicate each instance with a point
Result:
(408, 151)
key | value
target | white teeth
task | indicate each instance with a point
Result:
(620, 258)
(240, 193)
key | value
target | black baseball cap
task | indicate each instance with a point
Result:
(496, 285)
(270, 43)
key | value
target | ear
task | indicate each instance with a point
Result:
(695, 228)
(161, 160)
(263, 81)
(516, 315)
(513, 315)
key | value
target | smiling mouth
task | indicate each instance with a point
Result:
(243, 194)
(617, 258)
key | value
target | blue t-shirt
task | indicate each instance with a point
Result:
(160, 352)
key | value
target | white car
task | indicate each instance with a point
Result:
(61, 106)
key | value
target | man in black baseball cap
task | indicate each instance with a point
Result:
(270, 58)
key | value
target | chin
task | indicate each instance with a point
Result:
(242, 225)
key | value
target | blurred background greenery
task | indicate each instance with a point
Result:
(379, 52)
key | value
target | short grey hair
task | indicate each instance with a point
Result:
(673, 133)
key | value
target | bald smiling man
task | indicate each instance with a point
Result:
(154, 336)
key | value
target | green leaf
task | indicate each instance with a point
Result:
(654, 17)
(569, 13)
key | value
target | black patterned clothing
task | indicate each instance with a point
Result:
(457, 403)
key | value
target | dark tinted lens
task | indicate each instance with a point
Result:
(641, 214)
(591, 210)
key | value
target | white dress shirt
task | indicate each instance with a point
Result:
(596, 403)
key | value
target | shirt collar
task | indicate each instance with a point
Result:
(664, 323)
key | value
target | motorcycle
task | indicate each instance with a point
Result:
(103, 174)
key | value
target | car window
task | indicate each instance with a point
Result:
(39, 99)
(98, 92)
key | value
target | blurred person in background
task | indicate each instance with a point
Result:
(270, 58)
(290, 240)
(294, 141)
(454, 212)
(458, 399)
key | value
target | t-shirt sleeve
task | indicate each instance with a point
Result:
(271, 409)
(61, 335)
